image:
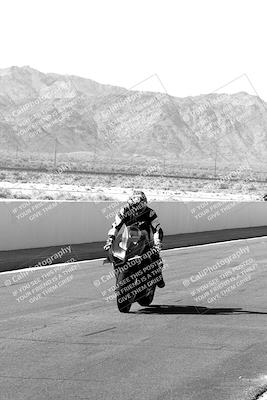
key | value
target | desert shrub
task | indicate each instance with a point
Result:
(103, 197)
(20, 195)
(238, 186)
(252, 187)
(78, 178)
(5, 194)
(128, 184)
(223, 185)
(46, 197)
(71, 197)
(17, 174)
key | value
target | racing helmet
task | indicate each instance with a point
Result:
(137, 201)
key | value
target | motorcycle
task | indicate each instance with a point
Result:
(136, 264)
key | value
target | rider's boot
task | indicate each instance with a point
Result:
(161, 282)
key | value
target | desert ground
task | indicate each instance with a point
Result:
(77, 186)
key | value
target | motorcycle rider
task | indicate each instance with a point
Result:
(137, 211)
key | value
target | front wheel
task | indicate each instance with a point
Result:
(147, 299)
(125, 296)
(123, 307)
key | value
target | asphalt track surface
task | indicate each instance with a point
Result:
(73, 343)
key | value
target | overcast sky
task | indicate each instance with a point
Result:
(188, 47)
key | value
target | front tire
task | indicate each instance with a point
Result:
(123, 307)
(124, 296)
(146, 300)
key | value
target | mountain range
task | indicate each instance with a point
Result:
(39, 111)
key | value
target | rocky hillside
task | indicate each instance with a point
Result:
(40, 111)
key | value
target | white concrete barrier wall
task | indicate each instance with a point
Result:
(40, 224)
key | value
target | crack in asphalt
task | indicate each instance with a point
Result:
(103, 330)
(48, 341)
(207, 347)
(48, 379)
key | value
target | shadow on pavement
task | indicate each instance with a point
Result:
(171, 309)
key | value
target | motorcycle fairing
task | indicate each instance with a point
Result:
(131, 242)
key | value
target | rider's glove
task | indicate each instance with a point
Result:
(108, 243)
